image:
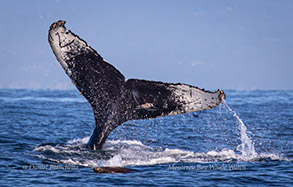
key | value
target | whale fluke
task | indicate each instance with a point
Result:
(114, 100)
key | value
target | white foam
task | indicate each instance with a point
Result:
(227, 153)
(176, 151)
(153, 161)
(47, 148)
(85, 163)
(272, 157)
(129, 142)
(79, 141)
(115, 161)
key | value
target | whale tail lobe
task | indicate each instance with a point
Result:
(115, 100)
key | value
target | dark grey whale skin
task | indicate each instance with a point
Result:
(114, 100)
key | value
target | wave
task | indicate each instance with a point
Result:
(43, 99)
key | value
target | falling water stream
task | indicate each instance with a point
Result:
(246, 147)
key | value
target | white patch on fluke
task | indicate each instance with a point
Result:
(54, 40)
(64, 43)
(194, 99)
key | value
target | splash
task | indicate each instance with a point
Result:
(134, 153)
(115, 161)
(246, 147)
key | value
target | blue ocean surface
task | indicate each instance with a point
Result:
(245, 141)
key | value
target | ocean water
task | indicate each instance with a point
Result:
(246, 141)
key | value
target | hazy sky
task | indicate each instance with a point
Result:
(210, 44)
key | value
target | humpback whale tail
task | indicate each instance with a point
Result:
(114, 100)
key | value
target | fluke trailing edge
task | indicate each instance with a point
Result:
(114, 100)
